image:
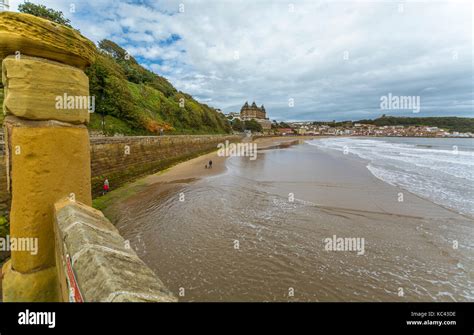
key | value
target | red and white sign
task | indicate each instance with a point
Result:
(74, 292)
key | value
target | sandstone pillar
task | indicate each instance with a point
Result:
(47, 142)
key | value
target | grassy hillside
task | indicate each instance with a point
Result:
(135, 101)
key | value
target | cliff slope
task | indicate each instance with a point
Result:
(129, 99)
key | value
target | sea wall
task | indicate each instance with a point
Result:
(123, 159)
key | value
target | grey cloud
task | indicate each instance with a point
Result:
(424, 50)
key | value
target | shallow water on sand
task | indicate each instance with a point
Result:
(239, 237)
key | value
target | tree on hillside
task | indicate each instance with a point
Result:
(253, 125)
(283, 125)
(452, 123)
(115, 50)
(237, 125)
(44, 12)
(133, 100)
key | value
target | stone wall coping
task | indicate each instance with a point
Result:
(98, 139)
(105, 268)
(34, 36)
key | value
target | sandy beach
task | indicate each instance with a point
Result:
(195, 168)
(189, 242)
(183, 173)
(336, 188)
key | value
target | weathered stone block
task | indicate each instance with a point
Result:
(27, 287)
(34, 36)
(39, 89)
(105, 275)
(49, 161)
(106, 268)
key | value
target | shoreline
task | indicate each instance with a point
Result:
(191, 170)
(442, 207)
(182, 173)
(334, 195)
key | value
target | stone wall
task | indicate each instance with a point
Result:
(4, 195)
(123, 159)
(95, 263)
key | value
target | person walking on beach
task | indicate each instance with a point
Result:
(210, 164)
(106, 186)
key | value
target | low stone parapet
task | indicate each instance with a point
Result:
(95, 263)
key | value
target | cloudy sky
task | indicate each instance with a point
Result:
(304, 60)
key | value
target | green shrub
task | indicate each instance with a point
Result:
(145, 101)
(4, 227)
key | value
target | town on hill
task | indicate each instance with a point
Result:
(383, 126)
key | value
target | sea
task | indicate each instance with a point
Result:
(439, 169)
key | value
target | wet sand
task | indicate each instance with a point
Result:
(190, 170)
(195, 168)
(190, 244)
(181, 174)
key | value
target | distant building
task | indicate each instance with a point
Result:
(284, 131)
(256, 113)
(233, 115)
(252, 112)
